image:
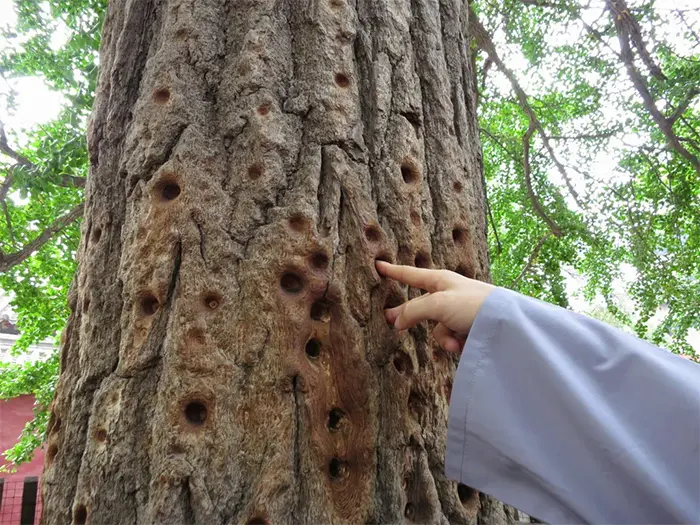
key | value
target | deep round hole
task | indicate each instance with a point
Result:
(319, 260)
(335, 419)
(96, 235)
(80, 515)
(264, 109)
(196, 413)
(212, 301)
(372, 234)
(321, 311)
(457, 187)
(161, 96)
(409, 173)
(170, 191)
(313, 348)
(51, 453)
(337, 469)
(409, 511)
(465, 271)
(257, 521)
(403, 363)
(291, 283)
(459, 236)
(342, 80)
(297, 223)
(465, 493)
(255, 171)
(149, 305)
(101, 435)
(422, 260)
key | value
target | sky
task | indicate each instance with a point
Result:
(36, 104)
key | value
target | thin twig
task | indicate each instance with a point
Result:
(531, 260)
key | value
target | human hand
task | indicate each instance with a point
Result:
(452, 301)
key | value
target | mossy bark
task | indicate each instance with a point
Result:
(227, 359)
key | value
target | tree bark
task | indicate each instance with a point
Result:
(227, 358)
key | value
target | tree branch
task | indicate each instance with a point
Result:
(616, 7)
(685, 103)
(484, 41)
(9, 260)
(69, 181)
(531, 260)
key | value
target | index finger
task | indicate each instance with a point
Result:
(428, 280)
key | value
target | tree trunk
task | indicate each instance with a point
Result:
(227, 360)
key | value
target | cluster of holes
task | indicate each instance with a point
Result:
(319, 260)
(342, 80)
(313, 348)
(373, 234)
(196, 412)
(80, 515)
(321, 311)
(337, 469)
(161, 96)
(149, 304)
(336, 417)
(212, 301)
(168, 189)
(459, 236)
(255, 171)
(409, 173)
(291, 283)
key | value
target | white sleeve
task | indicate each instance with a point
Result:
(573, 421)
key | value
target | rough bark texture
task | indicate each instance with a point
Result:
(227, 359)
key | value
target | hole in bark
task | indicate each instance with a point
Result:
(298, 223)
(393, 299)
(403, 363)
(80, 515)
(409, 511)
(161, 96)
(335, 419)
(337, 3)
(51, 453)
(96, 234)
(459, 236)
(337, 469)
(313, 348)
(168, 190)
(422, 260)
(149, 304)
(257, 521)
(372, 234)
(86, 304)
(415, 402)
(409, 173)
(465, 493)
(101, 435)
(457, 187)
(415, 218)
(196, 413)
(212, 300)
(291, 283)
(342, 80)
(255, 171)
(465, 271)
(319, 260)
(384, 257)
(264, 109)
(321, 311)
